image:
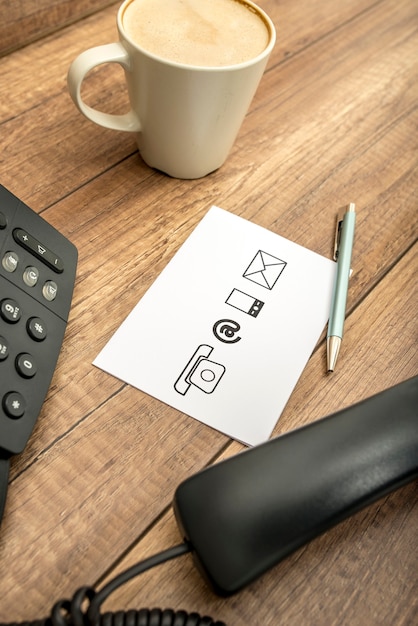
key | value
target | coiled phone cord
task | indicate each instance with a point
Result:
(75, 613)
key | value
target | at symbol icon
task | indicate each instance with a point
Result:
(225, 330)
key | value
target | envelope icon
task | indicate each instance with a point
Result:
(264, 269)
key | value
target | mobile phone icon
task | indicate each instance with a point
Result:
(200, 372)
(244, 302)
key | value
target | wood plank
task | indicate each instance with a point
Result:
(382, 235)
(335, 120)
(29, 20)
(100, 28)
(107, 506)
(42, 128)
(151, 219)
(370, 559)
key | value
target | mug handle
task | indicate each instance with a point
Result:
(86, 61)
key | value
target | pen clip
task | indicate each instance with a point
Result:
(338, 228)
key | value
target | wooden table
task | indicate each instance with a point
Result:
(334, 121)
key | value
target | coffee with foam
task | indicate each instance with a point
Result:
(204, 33)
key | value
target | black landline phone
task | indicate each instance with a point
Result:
(234, 534)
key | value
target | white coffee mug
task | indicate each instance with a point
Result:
(186, 117)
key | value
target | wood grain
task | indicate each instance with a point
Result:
(334, 120)
(29, 20)
(352, 561)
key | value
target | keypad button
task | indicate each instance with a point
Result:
(49, 290)
(14, 404)
(25, 365)
(10, 261)
(4, 349)
(3, 221)
(31, 276)
(38, 249)
(10, 310)
(36, 329)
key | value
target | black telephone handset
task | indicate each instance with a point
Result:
(245, 514)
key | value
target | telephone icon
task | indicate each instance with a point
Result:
(200, 372)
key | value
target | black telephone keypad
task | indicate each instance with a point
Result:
(36, 288)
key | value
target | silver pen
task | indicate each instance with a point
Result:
(342, 254)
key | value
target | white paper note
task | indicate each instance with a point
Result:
(225, 331)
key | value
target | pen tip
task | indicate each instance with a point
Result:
(333, 348)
